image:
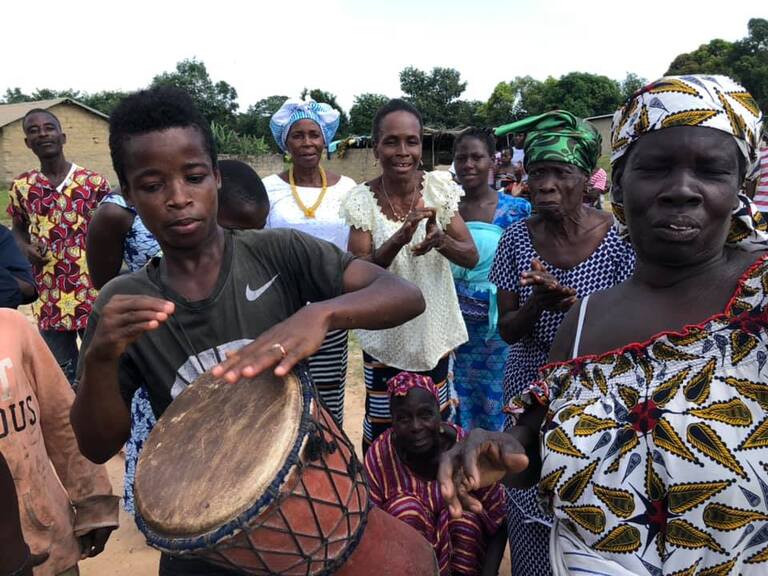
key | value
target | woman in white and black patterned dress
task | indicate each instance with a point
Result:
(565, 251)
(306, 197)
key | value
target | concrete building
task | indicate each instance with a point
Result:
(603, 125)
(87, 133)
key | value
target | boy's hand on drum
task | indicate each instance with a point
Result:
(282, 346)
(480, 460)
(123, 319)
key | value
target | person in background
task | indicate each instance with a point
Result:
(646, 433)
(401, 467)
(17, 286)
(479, 366)
(760, 194)
(67, 507)
(306, 197)
(51, 209)
(243, 200)
(518, 152)
(504, 172)
(598, 186)
(407, 221)
(543, 264)
(117, 237)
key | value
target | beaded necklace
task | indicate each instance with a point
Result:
(309, 212)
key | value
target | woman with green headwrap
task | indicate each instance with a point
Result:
(565, 251)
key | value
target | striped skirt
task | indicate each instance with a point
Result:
(377, 416)
(328, 367)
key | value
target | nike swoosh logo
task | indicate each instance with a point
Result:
(252, 295)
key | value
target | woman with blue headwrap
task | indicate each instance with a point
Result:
(648, 434)
(307, 197)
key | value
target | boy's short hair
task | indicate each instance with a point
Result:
(154, 110)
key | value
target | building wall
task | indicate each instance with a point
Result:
(603, 126)
(358, 164)
(87, 144)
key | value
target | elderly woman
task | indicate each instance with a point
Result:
(565, 251)
(652, 455)
(307, 197)
(408, 221)
(401, 467)
(479, 366)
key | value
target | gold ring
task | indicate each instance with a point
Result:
(278, 346)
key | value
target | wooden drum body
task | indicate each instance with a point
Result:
(257, 477)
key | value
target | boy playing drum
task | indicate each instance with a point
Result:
(230, 301)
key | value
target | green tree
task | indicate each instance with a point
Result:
(466, 113)
(362, 112)
(501, 105)
(433, 93)
(14, 96)
(745, 60)
(255, 122)
(583, 94)
(329, 98)
(104, 101)
(217, 101)
(631, 84)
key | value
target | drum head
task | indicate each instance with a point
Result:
(215, 452)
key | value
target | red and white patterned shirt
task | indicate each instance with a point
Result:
(58, 219)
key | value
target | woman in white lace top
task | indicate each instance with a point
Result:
(407, 220)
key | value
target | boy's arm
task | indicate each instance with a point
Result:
(100, 417)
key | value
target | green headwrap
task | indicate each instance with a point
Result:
(558, 136)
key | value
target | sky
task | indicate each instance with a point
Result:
(350, 47)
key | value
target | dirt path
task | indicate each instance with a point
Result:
(127, 554)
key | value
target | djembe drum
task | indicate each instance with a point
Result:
(258, 478)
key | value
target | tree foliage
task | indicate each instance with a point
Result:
(255, 122)
(216, 100)
(362, 112)
(104, 101)
(434, 94)
(745, 60)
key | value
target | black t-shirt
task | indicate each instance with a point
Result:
(266, 276)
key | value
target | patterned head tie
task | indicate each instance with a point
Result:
(558, 136)
(404, 382)
(697, 100)
(325, 116)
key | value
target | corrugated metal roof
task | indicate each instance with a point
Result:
(12, 112)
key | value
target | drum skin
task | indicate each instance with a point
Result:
(256, 476)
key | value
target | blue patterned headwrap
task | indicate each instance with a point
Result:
(326, 117)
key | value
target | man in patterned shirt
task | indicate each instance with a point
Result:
(51, 209)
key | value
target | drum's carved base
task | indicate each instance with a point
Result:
(390, 547)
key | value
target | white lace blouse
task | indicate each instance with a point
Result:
(327, 224)
(419, 344)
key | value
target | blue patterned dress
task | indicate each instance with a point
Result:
(138, 247)
(611, 263)
(479, 363)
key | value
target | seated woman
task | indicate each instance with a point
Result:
(652, 456)
(401, 466)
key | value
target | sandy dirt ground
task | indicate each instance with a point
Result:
(127, 554)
